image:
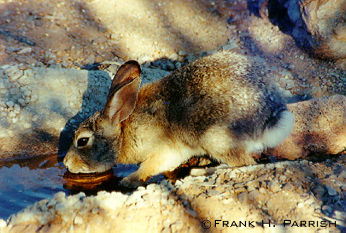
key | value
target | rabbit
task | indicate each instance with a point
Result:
(218, 105)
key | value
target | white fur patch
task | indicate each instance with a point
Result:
(273, 136)
(217, 140)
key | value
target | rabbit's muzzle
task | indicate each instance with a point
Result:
(78, 163)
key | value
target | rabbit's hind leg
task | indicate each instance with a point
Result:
(222, 144)
(236, 157)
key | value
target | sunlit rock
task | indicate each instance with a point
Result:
(319, 128)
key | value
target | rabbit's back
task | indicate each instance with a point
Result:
(224, 88)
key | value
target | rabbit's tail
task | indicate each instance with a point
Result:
(273, 134)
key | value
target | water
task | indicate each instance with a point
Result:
(24, 182)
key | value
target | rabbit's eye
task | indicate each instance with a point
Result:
(82, 142)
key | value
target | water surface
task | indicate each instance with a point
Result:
(26, 181)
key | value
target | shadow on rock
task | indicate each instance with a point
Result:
(316, 26)
(93, 100)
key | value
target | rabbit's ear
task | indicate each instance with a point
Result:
(123, 93)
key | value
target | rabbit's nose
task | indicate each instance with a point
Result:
(67, 161)
(74, 164)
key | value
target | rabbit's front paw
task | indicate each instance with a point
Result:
(131, 181)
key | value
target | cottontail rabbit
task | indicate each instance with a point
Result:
(216, 105)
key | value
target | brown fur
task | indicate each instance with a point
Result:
(216, 106)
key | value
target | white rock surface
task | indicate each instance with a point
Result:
(39, 103)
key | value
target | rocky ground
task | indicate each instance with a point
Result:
(57, 59)
(298, 196)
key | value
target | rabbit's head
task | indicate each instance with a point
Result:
(97, 140)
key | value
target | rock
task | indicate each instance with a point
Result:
(253, 195)
(198, 172)
(182, 53)
(11, 114)
(229, 46)
(190, 57)
(90, 59)
(12, 49)
(339, 215)
(2, 224)
(47, 93)
(13, 73)
(274, 186)
(10, 104)
(325, 21)
(53, 101)
(288, 187)
(331, 191)
(319, 128)
(290, 84)
(317, 26)
(25, 50)
(78, 220)
(151, 216)
(151, 74)
(242, 197)
(327, 209)
(252, 185)
(178, 64)
(170, 65)
(187, 205)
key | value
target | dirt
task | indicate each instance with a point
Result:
(77, 33)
